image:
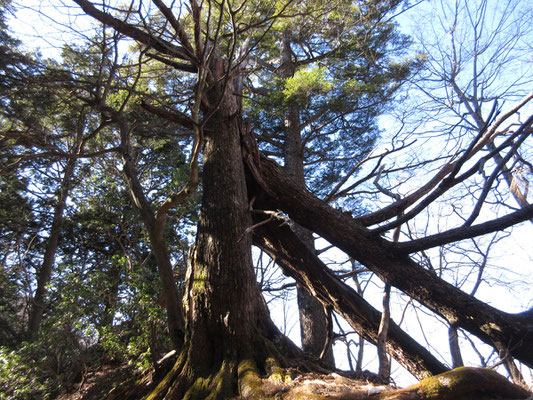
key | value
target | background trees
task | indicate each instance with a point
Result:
(475, 77)
(206, 86)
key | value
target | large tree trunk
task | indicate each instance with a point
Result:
(228, 329)
(502, 330)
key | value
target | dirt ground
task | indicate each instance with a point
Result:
(473, 383)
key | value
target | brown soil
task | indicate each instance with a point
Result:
(96, 384)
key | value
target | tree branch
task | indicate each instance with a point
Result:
(466, 232)
(133, 32)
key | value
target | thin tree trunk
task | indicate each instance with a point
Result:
(314, 318)
(360, 354)
(455, 349)
(173, 304)
(511, 368)
(383, 357)
(45, 272)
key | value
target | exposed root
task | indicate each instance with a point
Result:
(266, 375)
(463, 383)
(289, 386)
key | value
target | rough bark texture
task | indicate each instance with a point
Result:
(222, 294)
(383, 357)
(497, 328)
(228, 331)
(298, 261)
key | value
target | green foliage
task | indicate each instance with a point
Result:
(40, 369)
(93, 318)
(305, 83)
(11, 307)
(15, 381)
(102, 299)
(17, 228)
(347, 61)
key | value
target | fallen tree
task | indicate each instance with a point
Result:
(508, 332)
(278, 240)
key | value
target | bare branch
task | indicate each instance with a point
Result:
(133, 32)
(466, 232)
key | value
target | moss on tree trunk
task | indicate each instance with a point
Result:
(229, 335)
(464, 383)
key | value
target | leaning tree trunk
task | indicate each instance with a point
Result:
(227, 321)
(45, 273)
(299, 262)
(173, 305)
(511, 332)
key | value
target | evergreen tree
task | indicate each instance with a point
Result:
(211, 63)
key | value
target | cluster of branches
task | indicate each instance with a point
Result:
(103, 149)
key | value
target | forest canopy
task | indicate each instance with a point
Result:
(224, 179)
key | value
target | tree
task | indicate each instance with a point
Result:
(103, 258)
(230, 341)
(315, 81)
(472, 51)
(465, 75)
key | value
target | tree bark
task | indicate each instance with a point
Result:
(383, 357)
(313, 317)
(221, 280)
(45, 273)
(455, 348)
(514, 188)
(494, 327)
(298, 261)
(228, 330)
(173, 304)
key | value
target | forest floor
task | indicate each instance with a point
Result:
(96, 383)
(458, 384)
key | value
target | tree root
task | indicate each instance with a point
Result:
(267, 375)
(464, 383)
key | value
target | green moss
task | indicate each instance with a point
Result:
(450, 384)
(214, 386)
(198, 283)
(466, 383)
(274, 371)
(119, 389)
(431, 387)
(308, 396)
(199, 390)
(163, 386)
(249, 381)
